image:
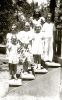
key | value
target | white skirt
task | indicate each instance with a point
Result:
(37, 47)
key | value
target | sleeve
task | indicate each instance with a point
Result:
(42, 19)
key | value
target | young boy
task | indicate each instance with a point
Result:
(12, 51)
(49, 31)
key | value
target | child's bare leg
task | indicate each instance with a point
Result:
(39, 61)
(14, 70)
(10, 70)
(35, 59)
(25, 66)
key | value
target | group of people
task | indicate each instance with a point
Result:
(30, 46)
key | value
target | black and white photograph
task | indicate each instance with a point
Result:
(30, 49)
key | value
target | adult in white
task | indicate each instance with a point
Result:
(29, 1)
(37, 18)
(49, 30)
(38, 1)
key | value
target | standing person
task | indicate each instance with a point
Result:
(25, 57)
(37, 48)
(49, 31)
(37, 18)
(12, 53)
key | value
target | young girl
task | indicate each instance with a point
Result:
(37, 48)
(12, 52)
(25, 56)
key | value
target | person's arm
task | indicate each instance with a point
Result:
(8, 43)
(43, 30)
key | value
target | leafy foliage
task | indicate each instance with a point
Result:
(7, 9)
(6, 15)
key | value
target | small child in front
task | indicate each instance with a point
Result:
(12, 52)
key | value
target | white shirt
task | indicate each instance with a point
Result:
(41, 2)
(12, 53)
(48, 29)
(35, 22)
(24, 36)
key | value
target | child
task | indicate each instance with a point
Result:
(37, 47)
(49, 31)
(12, 53)
(25, 39)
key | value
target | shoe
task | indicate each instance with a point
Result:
(34, 66)
(38, 66)
(42, 67)
(14, 82)
(53, 64)
(42, 70)
(27, 75)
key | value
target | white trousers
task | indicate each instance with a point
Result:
(48, 49)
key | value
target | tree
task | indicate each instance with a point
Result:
(6, 16)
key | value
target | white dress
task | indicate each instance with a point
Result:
(12, 52)
(41, 2)
(37, 22)
(37, 47)
(25, 38)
